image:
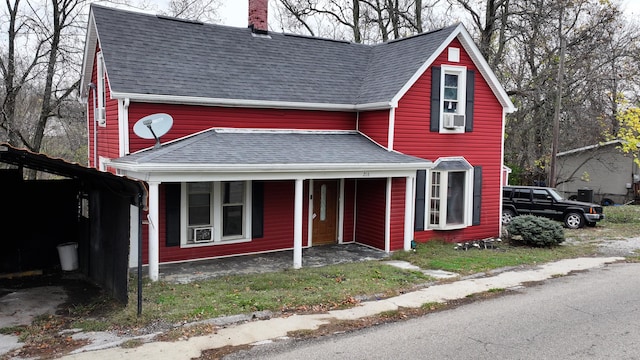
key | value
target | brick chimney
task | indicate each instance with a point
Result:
(258, 12)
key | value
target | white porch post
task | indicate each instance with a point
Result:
(297, 226)
(153, 231)
(341, 212)
(408, 212)
(387, 217)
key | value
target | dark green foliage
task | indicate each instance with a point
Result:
(535, 231)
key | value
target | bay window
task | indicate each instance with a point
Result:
(448, 195)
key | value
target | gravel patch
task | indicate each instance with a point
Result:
(622, 247)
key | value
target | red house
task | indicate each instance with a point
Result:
(271, 141)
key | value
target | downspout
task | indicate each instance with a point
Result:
(95, 126)
(124, 124)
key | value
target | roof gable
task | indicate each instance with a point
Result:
(160, 59)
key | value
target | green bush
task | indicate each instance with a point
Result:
(535, 231)
(625, 214)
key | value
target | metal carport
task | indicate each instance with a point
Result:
(79, 204)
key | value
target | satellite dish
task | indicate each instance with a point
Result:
(153, 127)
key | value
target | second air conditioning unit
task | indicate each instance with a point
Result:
(203, 234)
(453, 121)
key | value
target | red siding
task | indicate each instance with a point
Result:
(91, 120)
(349, 214)
(397, 213)
(107, 136)
(190, 119)
(375, 124)
(278, 228)
(482, 147)
(370, 214)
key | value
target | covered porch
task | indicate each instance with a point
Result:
(300, 158)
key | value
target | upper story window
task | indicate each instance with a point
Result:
(452, 97)
(102, 91)
(453, 93)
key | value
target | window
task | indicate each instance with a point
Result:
(449, 196)
(200, 215)
(541, 194)
(522, 194)
(451, 200)
(215, 212)
(102, 92)
(452, 97)
(447, 199)
(450, 93)
(232, 208)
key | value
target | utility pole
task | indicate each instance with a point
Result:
(556, 115)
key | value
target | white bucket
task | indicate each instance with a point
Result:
(68, 256)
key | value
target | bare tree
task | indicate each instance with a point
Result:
(491, 24)
(39, 66)
(365, 21)
(198, 10)
(532, 65)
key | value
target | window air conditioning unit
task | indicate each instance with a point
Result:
(453, 121)
(203, 234)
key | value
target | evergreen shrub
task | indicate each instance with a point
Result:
(535, 231)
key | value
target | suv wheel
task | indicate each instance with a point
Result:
(507, 216)
(574, 220)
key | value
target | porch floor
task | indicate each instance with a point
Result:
(269, 262)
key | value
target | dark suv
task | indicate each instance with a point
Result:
(546, 202)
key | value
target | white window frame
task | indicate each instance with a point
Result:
(101, 112)
(461, 72)
(216, 207)
(442, 196)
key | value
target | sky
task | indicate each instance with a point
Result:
(235, 13)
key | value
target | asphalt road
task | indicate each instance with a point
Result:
(589, 315)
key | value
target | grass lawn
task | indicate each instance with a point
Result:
(331, 287)
(340, 286)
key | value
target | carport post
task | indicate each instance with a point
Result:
(140, 213)
(297, 226)
(153, 231)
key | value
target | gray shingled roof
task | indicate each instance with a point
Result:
(229, 147)
(147, 54)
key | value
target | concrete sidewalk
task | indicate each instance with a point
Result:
(253, 332)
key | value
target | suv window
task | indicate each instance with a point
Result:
(522, 194)
(539, 194)
(506, 193)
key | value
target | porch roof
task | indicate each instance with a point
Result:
(244, 150)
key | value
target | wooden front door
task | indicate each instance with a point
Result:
(325, 209)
